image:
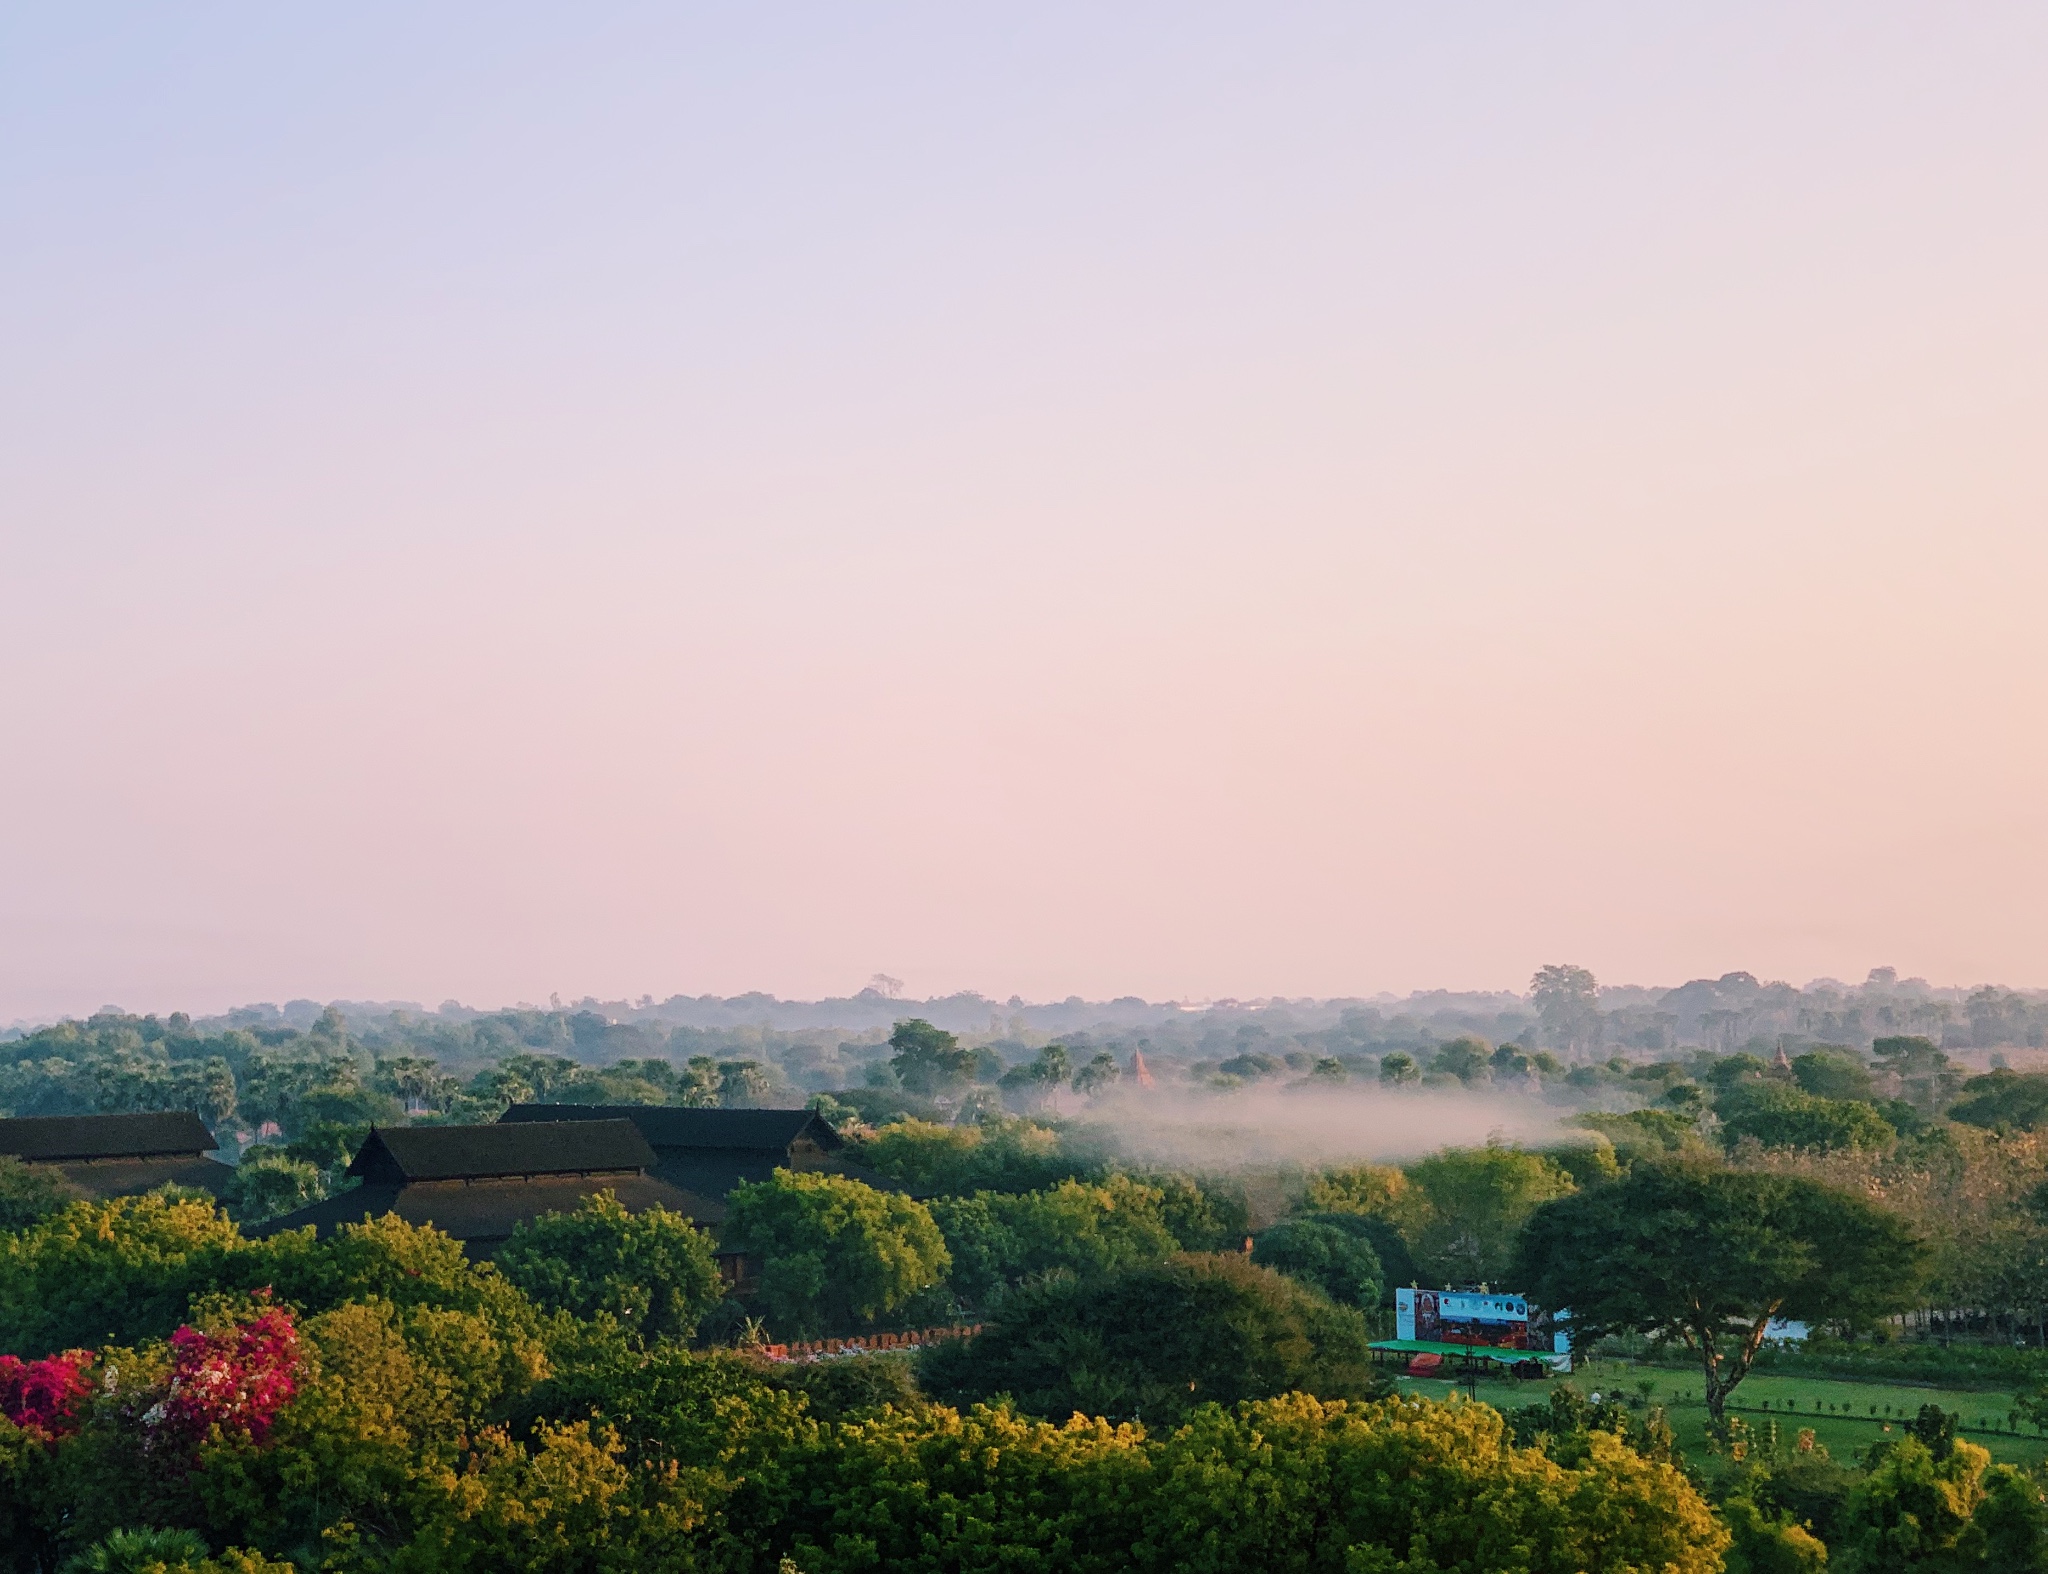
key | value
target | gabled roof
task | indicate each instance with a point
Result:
(404, 1154)
(103, 1178)
(667, 1126)
(51, 1138)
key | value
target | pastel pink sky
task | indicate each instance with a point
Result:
(1157, 499)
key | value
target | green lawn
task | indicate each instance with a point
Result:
(1791, 1403)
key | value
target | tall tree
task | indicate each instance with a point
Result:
(1567, 1001)
(1474, 1202)
(1708, 1256)
(928, 1059)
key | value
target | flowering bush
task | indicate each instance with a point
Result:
(44, 1394)
(237, 1379)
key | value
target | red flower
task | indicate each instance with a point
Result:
(44, 1395)
(237, 1379)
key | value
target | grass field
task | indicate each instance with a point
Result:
(1791, 1401)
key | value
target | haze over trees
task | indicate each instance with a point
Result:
(1676, 1166)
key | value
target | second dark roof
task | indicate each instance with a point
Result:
(427, 1153)
(50, 1138)
(668, 1126)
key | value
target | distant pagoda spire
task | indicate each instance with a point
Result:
(1139, 1074)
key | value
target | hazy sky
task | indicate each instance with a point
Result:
(1162, 499)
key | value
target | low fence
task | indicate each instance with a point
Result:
(866, 1344)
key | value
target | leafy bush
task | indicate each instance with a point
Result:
(268, 1183)
(996, 1239)
(1322, 1253)
(1156, 1341)
(835, 1253)
(2003, 1100)
(167, 1552)
(1777, 1116)
(653, 1272)
(996, 1155)
(29, 1193)
(118, 1272)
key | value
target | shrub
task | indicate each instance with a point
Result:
(653, 1272)
(1322, 1253)
(835, 1252)
(996, 1239)
(1156, 1341)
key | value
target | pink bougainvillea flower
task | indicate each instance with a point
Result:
(236, 1379)
(44, 1395)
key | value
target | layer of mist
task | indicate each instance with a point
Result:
(1287, 1127)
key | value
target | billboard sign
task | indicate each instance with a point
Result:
(1473, 1317)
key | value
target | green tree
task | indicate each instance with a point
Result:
(327, 1145)
(1777, 1116)
(1727, 1070)
(1510, 1060)
(1203, 1215)
(29, 1193)
(1035, 1081)
(1765, 1543)
(1567, 1002)
(417, 1082)
(168, 1552)
(120, 1271)
(744, 1084)
(834, 1252)
(1323, 1253)
(1588, 1160)
(2009, 1530)
(993, 1155)
(1377, 1189)
(1154, 1342)
(2003, 1101)
(1474, 1202)
(938, 1491)
(565, 1502)
(1399, 1068)
(1098, 1076)
(996, 1239)
(1644, 1133)
(1831, 1072)
(1926, 1077)
(1912, 1512)
(652, 1271)
(1297, 1484)
(1467, 1058)
(268, 1182)
(1708, 1256)
(928, 1059)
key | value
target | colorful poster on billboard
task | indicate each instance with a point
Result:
(1476, 1317)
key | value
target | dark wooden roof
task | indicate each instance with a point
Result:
(100, 1179)
(482, 1214)
(667, 1126)
(708, 1152)
(54, 1138)
(403, 1154)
